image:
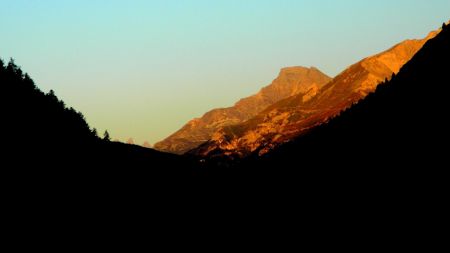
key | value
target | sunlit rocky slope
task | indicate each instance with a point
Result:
(291, 81)
(295, 115)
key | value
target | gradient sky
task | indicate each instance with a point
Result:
(143, 68)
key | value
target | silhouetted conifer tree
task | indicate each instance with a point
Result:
(52, 95)
(106, 136)
(29, 82)
(94, 132)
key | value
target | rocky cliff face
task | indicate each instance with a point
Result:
(290, 81)
(295, 115)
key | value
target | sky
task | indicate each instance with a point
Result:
(143, 68)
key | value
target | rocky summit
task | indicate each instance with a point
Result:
(297, 114)
(290, 81)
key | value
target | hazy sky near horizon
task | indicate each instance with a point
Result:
(143, 68)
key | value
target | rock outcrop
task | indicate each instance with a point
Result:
(295, 115)
(291, 81)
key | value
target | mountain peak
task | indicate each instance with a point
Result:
(146, 145)
(294, 68)
(294, 115)
(290, 81)
(298, 69)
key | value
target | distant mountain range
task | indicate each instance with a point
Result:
(300, 99)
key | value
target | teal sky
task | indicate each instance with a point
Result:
(143, 68)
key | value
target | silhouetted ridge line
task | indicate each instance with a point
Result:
(45, 135)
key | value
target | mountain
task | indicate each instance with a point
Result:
(290, 81)
(146, 144)
(388, 148)
(396, 133)
(298, 114)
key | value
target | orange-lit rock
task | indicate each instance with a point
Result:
(146, 145)
(295, 115)
(291, 81)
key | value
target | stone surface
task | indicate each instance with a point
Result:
(290, 81)
(295, 115)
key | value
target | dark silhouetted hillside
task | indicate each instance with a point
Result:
(44, 138)
(38, 122)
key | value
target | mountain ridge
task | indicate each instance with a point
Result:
(290, 81)
(399, 124)
(295, 115)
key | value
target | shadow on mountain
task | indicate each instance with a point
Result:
(397, 134)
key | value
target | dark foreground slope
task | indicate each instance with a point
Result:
(43, 138)
(399, 131)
